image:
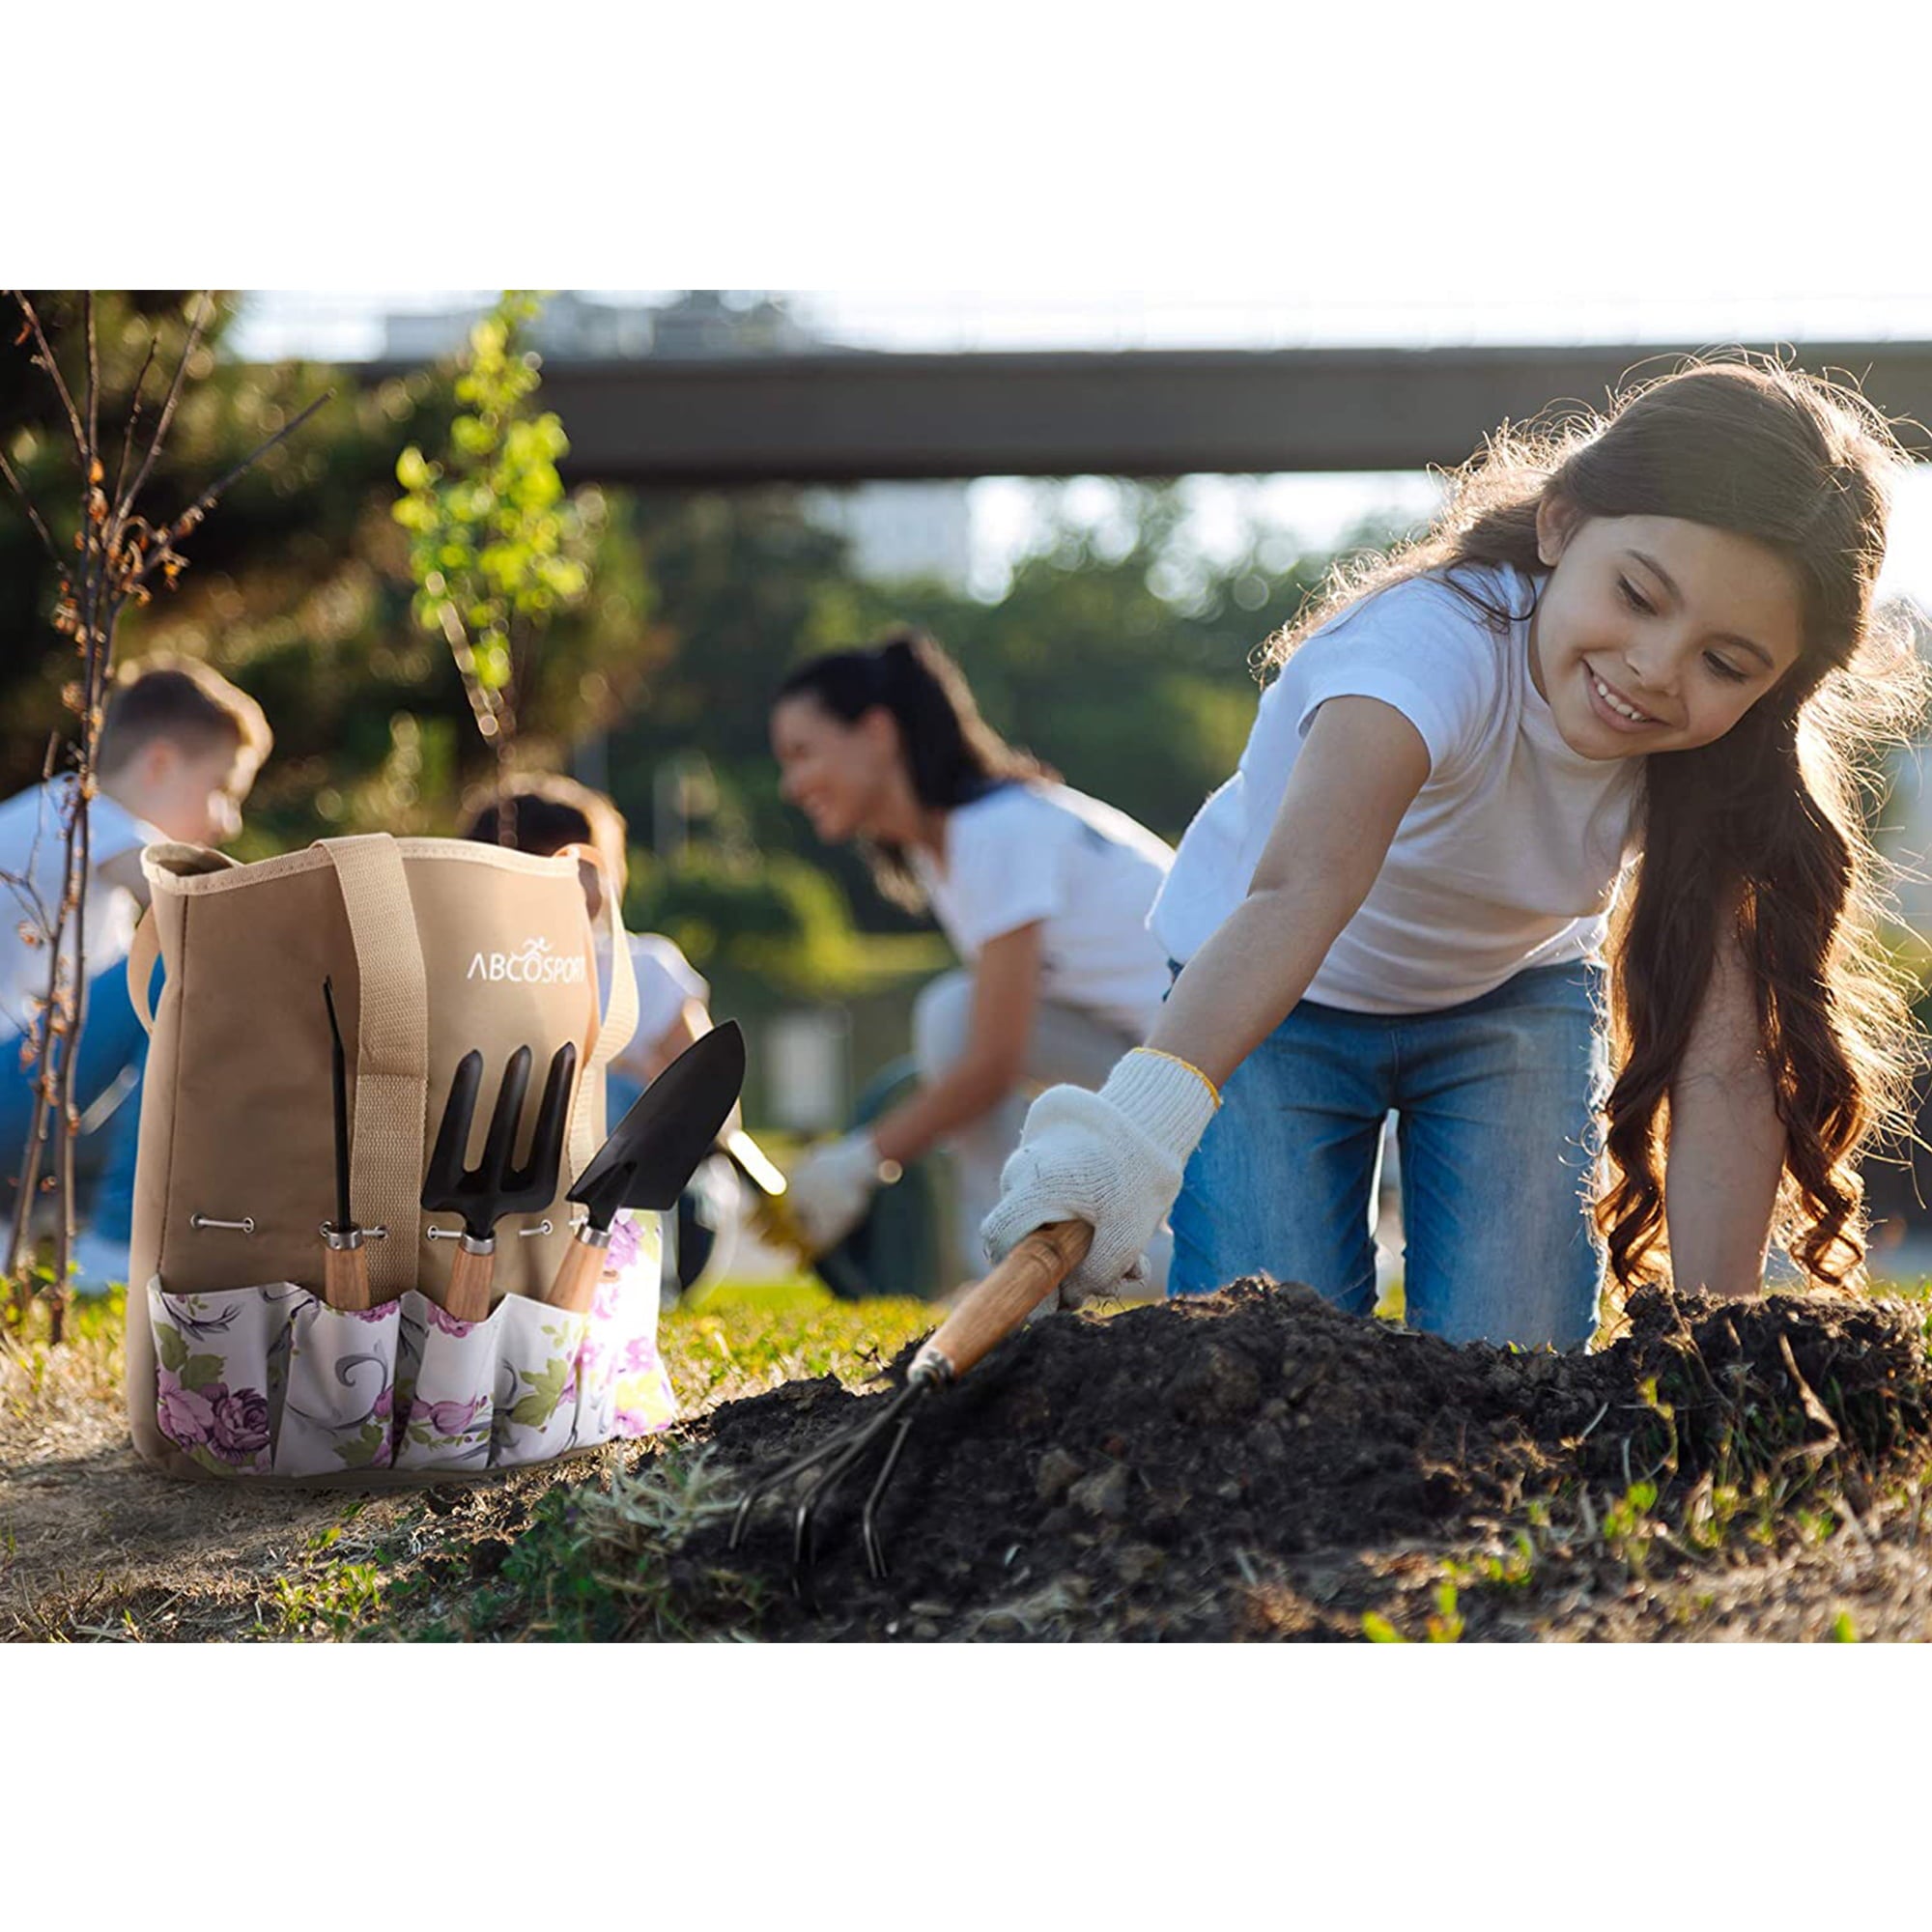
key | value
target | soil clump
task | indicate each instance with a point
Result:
(1256, 1464)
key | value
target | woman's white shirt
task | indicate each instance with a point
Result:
(1508, 856)
(1027, 852)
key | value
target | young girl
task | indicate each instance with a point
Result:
(1629, 667)
(1043, 891)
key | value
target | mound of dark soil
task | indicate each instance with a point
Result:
(1255, 1463)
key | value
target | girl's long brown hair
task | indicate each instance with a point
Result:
(1759, 837)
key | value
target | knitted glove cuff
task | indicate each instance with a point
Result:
(1170, 1101)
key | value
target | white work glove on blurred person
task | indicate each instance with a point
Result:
(831, 1188)
(1113, 1159)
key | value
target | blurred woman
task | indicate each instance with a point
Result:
(1043, 891)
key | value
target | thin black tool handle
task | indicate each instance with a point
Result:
(339, 1071)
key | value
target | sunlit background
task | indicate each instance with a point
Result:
(976, 529)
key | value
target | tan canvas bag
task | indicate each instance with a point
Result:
(433, 947)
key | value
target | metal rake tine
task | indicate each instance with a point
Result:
(805, 1519)
(868, 1524)
(770, 1481)
(553, 1110)
(501, 1143)
(861, 1440)
(452, 1137)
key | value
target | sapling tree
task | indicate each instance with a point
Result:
(497, 549)
(116, 555)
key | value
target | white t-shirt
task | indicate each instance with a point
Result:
(33, 850)
(1508, 856)
(666, 980)
(1046, 852)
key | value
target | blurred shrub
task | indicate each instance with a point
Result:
(763, 916)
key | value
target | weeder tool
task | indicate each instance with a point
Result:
(345, 1266)
(484, 1194)
(987, 1316)
(655, 1150)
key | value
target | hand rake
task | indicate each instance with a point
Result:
(988, 1314)
(485, 1193)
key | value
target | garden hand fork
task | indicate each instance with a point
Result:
(988, 1314)
(485, 1193)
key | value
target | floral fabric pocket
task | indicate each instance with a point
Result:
(339, 1406)
(625, 1390)
(271, 1381)
(219, 1362)
(535, 1413)
(445, 1386)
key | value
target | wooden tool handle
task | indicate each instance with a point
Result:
(468, 1295)
(345, 1277)
(574, 1287)
(992, 1311)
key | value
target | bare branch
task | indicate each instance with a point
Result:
(93, 387)
(167, 414)
(121, 503)
(206, 501)
(19, 489)
(47, 362)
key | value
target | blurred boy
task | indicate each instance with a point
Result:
(180, 746)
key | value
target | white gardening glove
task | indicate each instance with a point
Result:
(1113, 1159)
(831, 1188)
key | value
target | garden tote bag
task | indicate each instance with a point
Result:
(433, 948)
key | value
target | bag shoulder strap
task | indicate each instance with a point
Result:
(392, 1053)
(617, 1023)
(143, 949)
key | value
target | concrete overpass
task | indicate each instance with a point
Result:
(848, 416)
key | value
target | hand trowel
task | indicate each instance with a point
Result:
(653, 1152)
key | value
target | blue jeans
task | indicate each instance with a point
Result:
(1497, 1103)
(111, 1039)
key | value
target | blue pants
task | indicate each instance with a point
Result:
(1497, 1103)
(111, 1039)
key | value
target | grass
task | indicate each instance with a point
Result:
(93, 1547)
(595, 1552)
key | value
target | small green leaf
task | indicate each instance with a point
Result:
(198, 1372)
(364, 1447)
(545, 1393)
(174, 1351)
(1378, 1629)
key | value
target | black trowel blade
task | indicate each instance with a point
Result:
(657, 1144)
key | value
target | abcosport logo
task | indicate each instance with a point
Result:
(535, 965)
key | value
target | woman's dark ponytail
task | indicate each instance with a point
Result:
(952, 756)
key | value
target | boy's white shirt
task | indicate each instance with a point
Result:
(1508, 858)
(32, 848)
(666, 980)
(1030, 852)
